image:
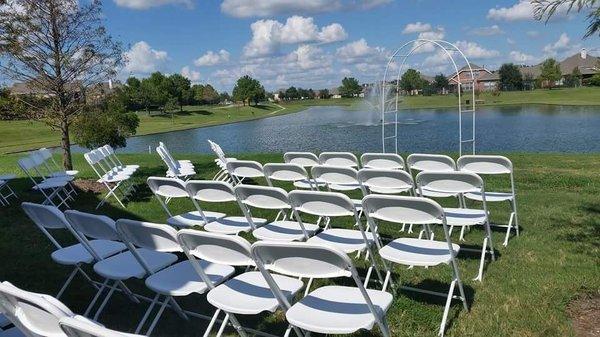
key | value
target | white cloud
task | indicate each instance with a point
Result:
(308, 57)
(522, 58)
(142, 59)
(212, 58)
(487, 31)
(417, 27)
(561, 44)
(437, 34)
(523, 10)
(510, 41)
(533, 33)
(474, 51)
(145, 4)
(268, 35)
(267, 8)
(192, 75)
(357, 51)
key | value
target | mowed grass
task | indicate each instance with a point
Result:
(559, 96)
(524, 293)
(27, 135)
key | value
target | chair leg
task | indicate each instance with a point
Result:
(158, 314)
(67, 282)
(178, 308)
(95, 299)
(211, 323)
(508, 229)
(147, 314)
(238, 327)
(447, 308)
(108, 296)
(223, 325)
(482, 261)
(128, 292)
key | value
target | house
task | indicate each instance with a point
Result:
(467, 81)
(335, 93)
(489, 81)
(93, 92)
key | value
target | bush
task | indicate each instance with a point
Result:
(595, 80)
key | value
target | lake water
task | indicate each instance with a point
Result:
(531, 128)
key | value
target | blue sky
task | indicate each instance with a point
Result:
(315, 43)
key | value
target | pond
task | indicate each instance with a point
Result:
(529, 128)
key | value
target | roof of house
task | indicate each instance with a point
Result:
(334, 91)
(585, 62)
(489, 76)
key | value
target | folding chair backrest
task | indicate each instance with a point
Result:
(304, 159)
(301, 259)
(167, 160)
(284, 172)
(262, 197)
(81, 327)
(167, 187)
(157, 237)
(385, 179)
(93, 226)
(26, 164)
(45, 216)
(335, 174)
(344, 159)
(450, 182)
(485, 164)
(385, 161)
(403, 209)
(430, 162)
(210, 191)
(38, 314)
(215, 247)
(245, 168)
(330, 204)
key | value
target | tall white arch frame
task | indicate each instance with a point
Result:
(391, 99)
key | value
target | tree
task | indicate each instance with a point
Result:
(248, 89)
(179, 87)
(156, 91)
(411, 80)
(210, 95)
(292, 93)
(302, 93)
(224, 97)
(441, 83)
(350, 87)
(324, 94)
(550, 72)
(60, 48)
(106, 123)
(510, 77)
(595, 80)
(573, 80)
(545, 9)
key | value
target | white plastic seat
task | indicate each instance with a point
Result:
(382, 161)
(304, 159)
(421, 252)
(250, 290)
(54, 168)
(175, 169)
(347, 240)
(275, 199)
(293, 173)
(245, 169)
(328, 309)
(77, 254)
(460, 183)
(81, 327)
(493, 165)
(212, 191)
(339, 178)
(51, 189)
(174, 188)
(338, 159)
(181, 279)
(385, 181)
(421, 162)
(126, 266)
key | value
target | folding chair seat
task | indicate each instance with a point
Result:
(272, 198)
(113, 164)
(211, 191)
(328, 205)
(173, 188)
(329, 309)
(7, 329)
(340, 159)
(177, 280)
(382, 161)
(244, 169)
(78, 327)
(493, 165)
(385, 181)
(250, 290)
(293, 173)
(421, 252)
(50, 218)
(461, 183)
(338, 178)
(8, 191)
(306, 160)
(421, 162)
(112, 156)
(50, 188)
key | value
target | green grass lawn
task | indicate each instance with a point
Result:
(525, 291)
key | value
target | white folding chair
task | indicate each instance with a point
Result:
(114, 159)
(179, 163)
(272, 198)
(329, 309)
(245, 294)
(54, 168)
(221, 162)
(89, 228)
(338, 178)
(174, 170)
(212, 191)
(111, 179)
(177, 280)
(33, 314)
(78, 327)
(416, 252)
(50, 188)
(173, 188)
(422, 162)
(342, 159)
(44, 171)
(460, 183)
(244, 169)
(328, 205)
(383, 161)
(493, 165)
(293, 173)
(304, 159)
(48, 218)
(4, 180)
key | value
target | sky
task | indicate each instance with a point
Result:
(315, 43)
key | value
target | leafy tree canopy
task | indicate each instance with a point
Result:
(350, 87)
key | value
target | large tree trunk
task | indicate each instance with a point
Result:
(66, 146)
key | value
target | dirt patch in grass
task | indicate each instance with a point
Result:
(584, 311)
(88, 185)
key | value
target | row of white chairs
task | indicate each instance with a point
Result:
(112, 173)
(182, 169)
(48, 178)
(146, 251)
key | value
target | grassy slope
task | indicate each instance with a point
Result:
(524, 292)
